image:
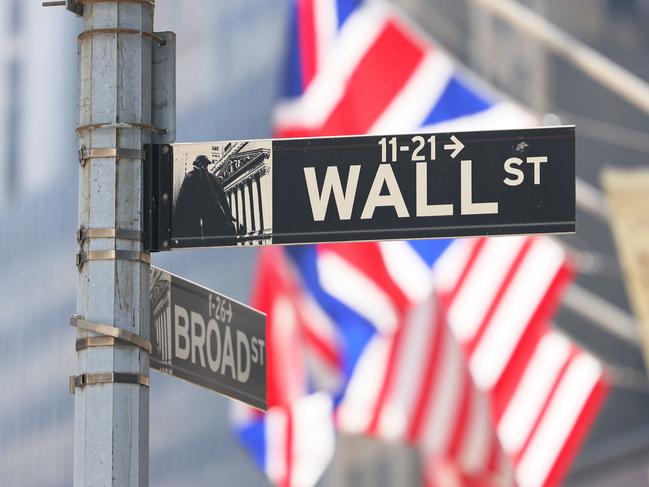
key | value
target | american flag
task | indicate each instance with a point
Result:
(413, 384)
(494, 398)
(541, 391)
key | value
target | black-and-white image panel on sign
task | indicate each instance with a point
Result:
(222, 194)
(207, 339)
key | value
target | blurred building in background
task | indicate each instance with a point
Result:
(229, 66)
(37, 90)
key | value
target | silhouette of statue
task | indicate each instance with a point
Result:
(202, 208)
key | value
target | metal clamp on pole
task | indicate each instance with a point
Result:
(83, 257)
(108, 331)
(149, 35)
(109, 153)
(120, 125)
(84, 380)
(100, 341)
(117, 233)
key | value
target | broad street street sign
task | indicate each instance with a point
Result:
(291, 191)
(207, 339)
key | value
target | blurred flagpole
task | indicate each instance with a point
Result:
(600, 312)
(617, 79)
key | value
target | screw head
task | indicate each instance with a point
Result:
(165, 197)
(165, 244)
(165, 149)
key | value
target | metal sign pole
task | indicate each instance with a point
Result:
(111, 385)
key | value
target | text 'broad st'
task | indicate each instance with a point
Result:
(207, 339)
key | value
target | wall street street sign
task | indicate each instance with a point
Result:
(290, 191)
(207, 339)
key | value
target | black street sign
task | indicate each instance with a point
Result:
(291, 191)
(207, 339)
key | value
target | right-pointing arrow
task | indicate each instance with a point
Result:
(456, 146)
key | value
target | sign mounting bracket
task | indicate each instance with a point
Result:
(158, 183)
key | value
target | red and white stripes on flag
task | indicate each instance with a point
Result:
(301, 339)
(414, 386)
(282, 440)
(537, 393)
(415, 380)
(545, 392)
(300, 440)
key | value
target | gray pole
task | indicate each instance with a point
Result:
(112, 419)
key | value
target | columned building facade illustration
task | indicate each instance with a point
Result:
(161, 317)
(243, 168)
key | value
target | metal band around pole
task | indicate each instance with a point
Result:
(83, 257)
(110, 331)
(120, 125)
(86, 233)
(84, 380)
(150, 35)
(110, 153)
(99, 341)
